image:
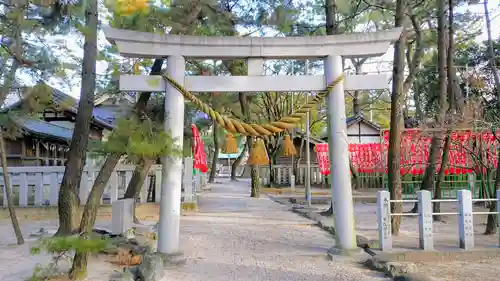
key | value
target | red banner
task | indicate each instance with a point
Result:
(322, 157)
(466, 146)
(366, 157)
(200, 158)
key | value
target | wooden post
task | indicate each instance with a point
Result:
(37, 152)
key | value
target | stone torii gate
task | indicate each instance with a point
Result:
(178, 48)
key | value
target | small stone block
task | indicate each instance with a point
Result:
(122, 214)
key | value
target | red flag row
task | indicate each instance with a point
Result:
(466, 146)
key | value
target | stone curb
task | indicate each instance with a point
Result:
(326, 223)
(398, 271)
(439, 256)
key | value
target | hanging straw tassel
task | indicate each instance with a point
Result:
(258, 154)
(288, 147)
(231, 145)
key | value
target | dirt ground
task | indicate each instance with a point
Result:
(479, 270)
(16, 262)
(445, 237)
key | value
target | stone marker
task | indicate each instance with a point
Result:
(122, 214)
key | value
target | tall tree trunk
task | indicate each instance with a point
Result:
(80, 259)
(482, 171)
(8, 191)
(68, 196)
(68, 202)
(215, 156)
(271, 145)
(254, 173)
(419, 114)
(331, 29)
(356, 103)
(491, 222)
(331, 17)
(237, 162)
(491, 51)
(9, 80)
(356, 99)
(299, 158)
(430, 170)
(93, 201)
(355, 180)
(254, 169)
(89, 215)
(396, 126)
(436, 207)
(437, 139)
(454, 99)
(137, 182)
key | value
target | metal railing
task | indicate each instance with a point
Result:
(425, 217)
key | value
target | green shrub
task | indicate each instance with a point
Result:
(62, 248)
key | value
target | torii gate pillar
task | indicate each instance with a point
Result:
(171, 185)
(338, 149)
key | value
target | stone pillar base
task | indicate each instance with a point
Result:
(173, 259)
(334, 251)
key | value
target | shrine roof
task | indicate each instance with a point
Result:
(42, 128)
(102, 116)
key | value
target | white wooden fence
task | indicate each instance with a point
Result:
(39, 185)
(282, 174)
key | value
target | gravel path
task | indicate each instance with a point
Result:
(233, 237)
(236, 237)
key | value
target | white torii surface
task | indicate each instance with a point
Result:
(221, 84)
(151, 45)
(331, 48)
